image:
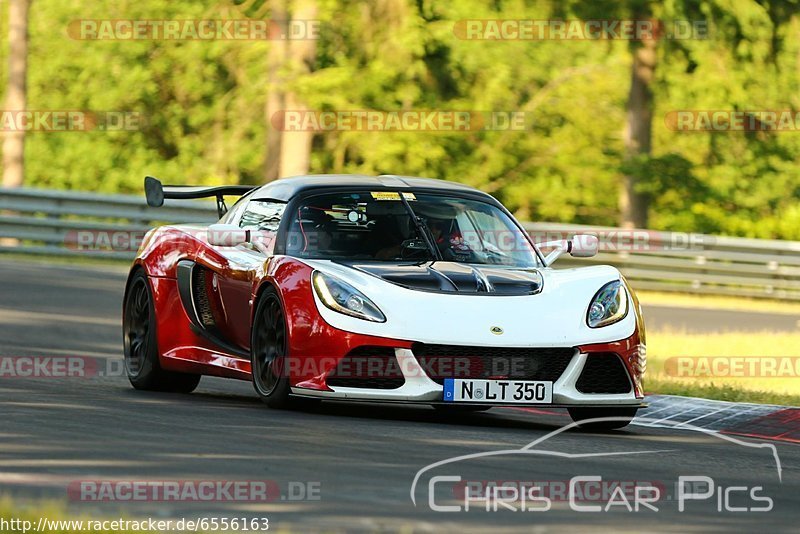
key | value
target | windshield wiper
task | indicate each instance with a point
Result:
(422, 229)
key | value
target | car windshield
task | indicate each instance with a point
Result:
(378, 226)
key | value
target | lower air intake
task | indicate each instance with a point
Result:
(604, 373)
(368, 368)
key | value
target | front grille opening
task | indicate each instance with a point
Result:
(499, 363)
(368, 368)
(604, 373)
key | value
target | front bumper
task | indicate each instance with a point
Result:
(321, 339)
(420, 388)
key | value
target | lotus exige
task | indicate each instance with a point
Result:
(380, 289)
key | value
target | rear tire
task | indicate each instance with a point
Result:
(622, 417)
(268, 351)
(140, 346)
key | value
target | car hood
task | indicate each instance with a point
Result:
(452, 277)
(418, 309)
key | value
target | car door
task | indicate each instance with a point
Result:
(233, 269)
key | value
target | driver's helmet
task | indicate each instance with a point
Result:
(449, 238)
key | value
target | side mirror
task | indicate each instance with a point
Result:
(227, 235)
(583, 246)
(580, 246)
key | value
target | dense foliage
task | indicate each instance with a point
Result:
(203, 105)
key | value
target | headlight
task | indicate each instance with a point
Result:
(344, 298)
(608, 306)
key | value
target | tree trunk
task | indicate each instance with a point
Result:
(638, 130)
(14, 140)
(296, 146)
(276, 101)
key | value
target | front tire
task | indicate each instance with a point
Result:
(622, 417)
(269, 350)
(140, 346)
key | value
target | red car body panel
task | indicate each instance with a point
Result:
(631, 352)
(315, 347)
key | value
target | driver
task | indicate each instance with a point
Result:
(449, 241)
(446, 237)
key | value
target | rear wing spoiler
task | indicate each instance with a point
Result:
(156, 192)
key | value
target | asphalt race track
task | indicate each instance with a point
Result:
(360, 460)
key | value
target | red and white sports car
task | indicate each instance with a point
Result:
(380, 289)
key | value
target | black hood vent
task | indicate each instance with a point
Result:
(453, 277)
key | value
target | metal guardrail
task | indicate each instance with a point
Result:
(34, 221)
(49, 222)
(690, 263)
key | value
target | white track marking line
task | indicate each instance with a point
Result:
(673, 405)
(739, 413)
(704, 415)
(674, 415)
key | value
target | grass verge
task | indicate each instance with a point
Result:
(707, 382)
(722, 392)
(714, 302)
(18, 518)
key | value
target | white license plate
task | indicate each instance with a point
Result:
(498, 391)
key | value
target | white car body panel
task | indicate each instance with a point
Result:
(555, 317)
